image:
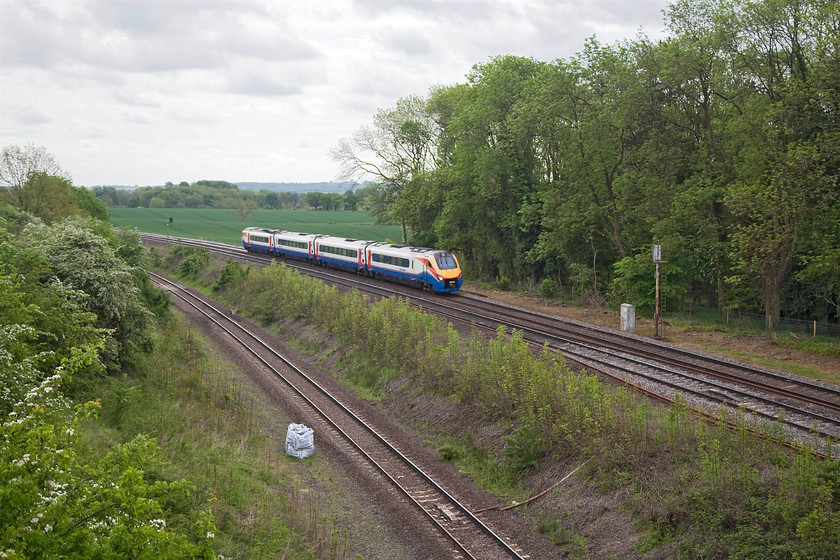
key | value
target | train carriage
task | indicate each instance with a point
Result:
(294, 245)
(430, 268)
(258, 240)
(341, 252)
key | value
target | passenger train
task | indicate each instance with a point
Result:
(427, 268)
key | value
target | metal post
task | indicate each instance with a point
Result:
(656, 309)
(657, 258)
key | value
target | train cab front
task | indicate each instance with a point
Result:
(446, 272)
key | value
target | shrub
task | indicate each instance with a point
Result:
(548, 288)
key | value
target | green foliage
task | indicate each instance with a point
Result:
(524, 449)
(229, 275)
(55, 502)
(449, 453)
(194, 262)
(86, 262)
(548, 288)
(634, 281)
(716, 491)
(91, 205)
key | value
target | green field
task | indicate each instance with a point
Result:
(225, 226)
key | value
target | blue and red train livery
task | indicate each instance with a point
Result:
(428, 268)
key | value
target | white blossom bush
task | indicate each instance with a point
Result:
(54, 503)
(84, 260)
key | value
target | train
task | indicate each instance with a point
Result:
(429, 269)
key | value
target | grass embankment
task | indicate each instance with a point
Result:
(187, 397)
(710, 491)
(225, 225)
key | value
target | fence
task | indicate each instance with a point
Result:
(754, 321)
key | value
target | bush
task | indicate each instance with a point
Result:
(548, 288)
(524, 450)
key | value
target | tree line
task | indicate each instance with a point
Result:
(721, 143)
(223, 194)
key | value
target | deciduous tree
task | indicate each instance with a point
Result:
(395, 152)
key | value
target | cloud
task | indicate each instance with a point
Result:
(146, 91)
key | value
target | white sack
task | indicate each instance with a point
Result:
(300, 441)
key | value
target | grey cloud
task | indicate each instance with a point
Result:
(407, 41)
(263, 86)
(460, 11)
(30, 118)
(143, 35)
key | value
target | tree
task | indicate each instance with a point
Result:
(271, 200)
(395, 152)
(489, 155)
(333, 201)
(787, 171)
(49, 197)
(84, 260)
(351, 200)
(19, 164)
(314, 199)
(90, 204)
(244, 206)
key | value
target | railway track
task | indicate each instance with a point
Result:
(809, 410)
(469, 537)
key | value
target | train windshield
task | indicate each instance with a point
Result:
(445, 261)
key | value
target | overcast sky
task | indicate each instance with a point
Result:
(141, 92)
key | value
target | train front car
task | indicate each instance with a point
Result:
(428, 268)
(444, 271)
(258, 240)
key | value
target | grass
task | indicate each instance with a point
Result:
(188, 398)
(804, 371)
(225, 226)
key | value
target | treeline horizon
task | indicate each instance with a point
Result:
(224, 194)
(721, 143)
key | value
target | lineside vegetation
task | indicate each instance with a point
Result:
(710, 491)
(120, 437)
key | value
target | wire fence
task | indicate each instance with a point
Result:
(754, 321)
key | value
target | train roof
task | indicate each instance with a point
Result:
(406, 248)
(298, 233)
(260, 229)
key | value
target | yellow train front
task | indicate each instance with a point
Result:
(430, 268)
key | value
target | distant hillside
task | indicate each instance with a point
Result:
(330, 187)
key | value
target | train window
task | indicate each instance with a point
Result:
(393, 261)
(294, 244)
(353, 253)
(445, 261)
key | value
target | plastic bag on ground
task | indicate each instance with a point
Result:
(300, 441)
